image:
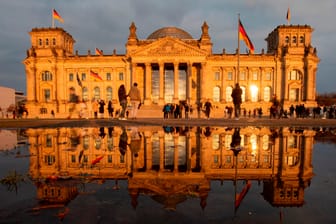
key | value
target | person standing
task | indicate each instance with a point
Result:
(101, 108)
(237, 99)
(95, 108)
(110, 109)
(208, 107)
(123, 101)
(135, 99)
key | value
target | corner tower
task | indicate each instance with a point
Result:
(50, 42)
(50, 47)
(297, 60)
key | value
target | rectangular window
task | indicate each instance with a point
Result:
(109, 159)
(46, 93)
(242, 76)
(255, 76)
(83, 76)
(121, 76)
(229, 76)
(108, 76)
(216, 159)
(73, 158)
(43, 110)
(71, 77)
(122, 158)
(292, 141)
(49, 159)
(294, 94)
(48, 141)
(217, 76)
(268, 76)
(294, 75)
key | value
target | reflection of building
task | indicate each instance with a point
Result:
(170, 164)
(171, 66)
(58, 193)
(9, 139)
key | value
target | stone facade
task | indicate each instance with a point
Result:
(172, 162)
(170, 66)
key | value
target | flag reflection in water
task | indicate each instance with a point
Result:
(173, 164)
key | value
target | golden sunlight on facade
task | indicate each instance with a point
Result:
(170, 66)
(171, 163)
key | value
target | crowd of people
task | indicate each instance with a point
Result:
(130, 103)
(98, 106)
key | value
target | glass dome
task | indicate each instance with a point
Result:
(169, 32)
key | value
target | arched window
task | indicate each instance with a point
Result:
(54, 41)
(46, 76)
(215, 141)
(47, 42)
(216, 94)
(228, 93)
(97, 143)
(86, 142)
(85, 94)
(294, 75)
(40, 42)
(301, 39)
(265, 142)
(109, 93)
(96, 93)
(267, 94)
(294, 40)
(287, 40)
(254, 93)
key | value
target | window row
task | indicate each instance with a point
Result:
(253, 94)
(83, 76)
(295, 40)
(243, 76)
(47, 76)
(47, 42)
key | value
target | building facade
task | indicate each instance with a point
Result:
(170, 66)
(172, 162)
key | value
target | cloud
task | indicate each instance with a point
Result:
(105, 24)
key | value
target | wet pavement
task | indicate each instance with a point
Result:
(178, 172)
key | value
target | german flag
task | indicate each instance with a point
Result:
(95, 75)
(243, 36)
(99, 52)
(57, 16)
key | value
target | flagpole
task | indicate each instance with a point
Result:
(238, 53)
(52, 19)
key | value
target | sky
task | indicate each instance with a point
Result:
(104, 24)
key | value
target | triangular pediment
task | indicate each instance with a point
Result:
(168, 46)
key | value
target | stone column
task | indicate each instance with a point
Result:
(148, 86)
(188, 82)
(133, 74)
(222, 88)
(31, 84)
(149, 150)
(176, 80)
(162, 151)
(176, 155)
(261, 87)
(161, 73)
(202, 87)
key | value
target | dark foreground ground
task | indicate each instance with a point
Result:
(49, 123)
